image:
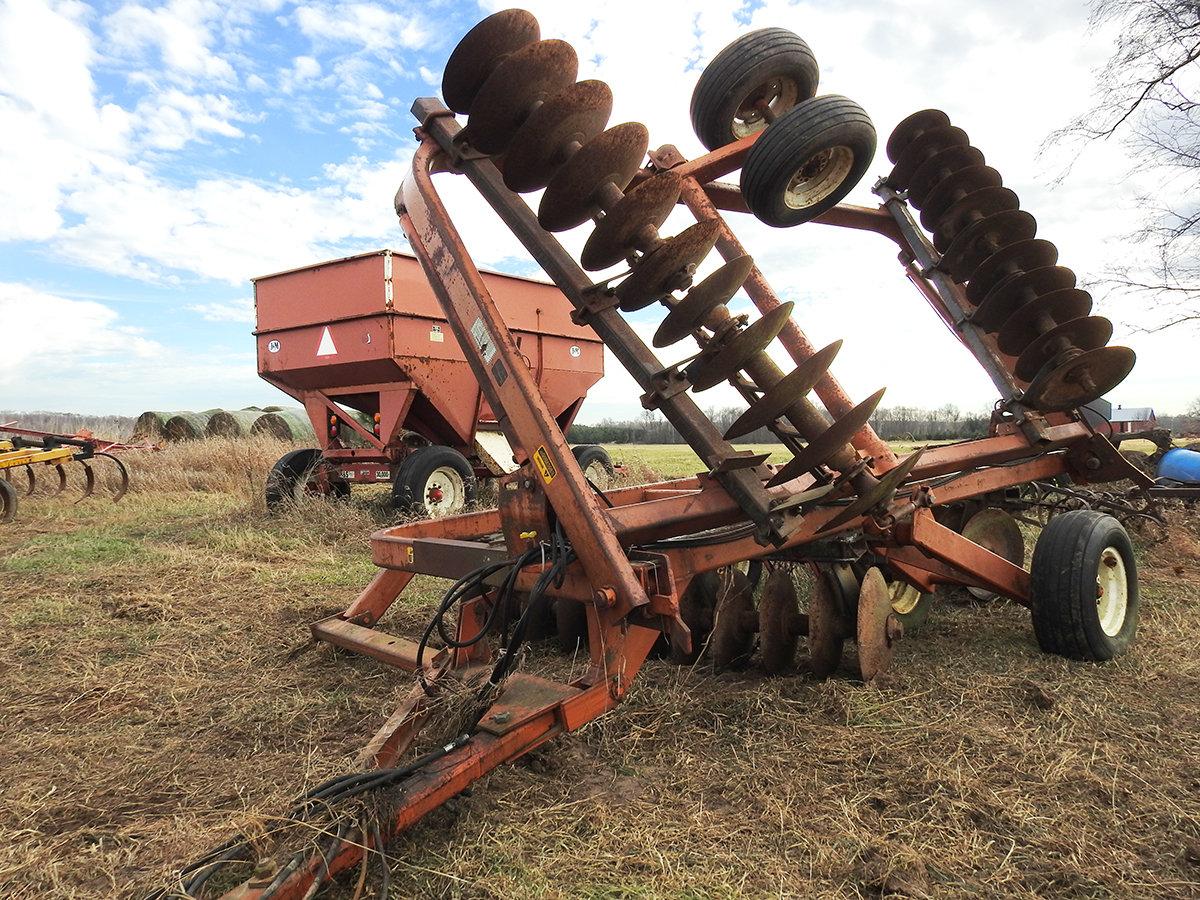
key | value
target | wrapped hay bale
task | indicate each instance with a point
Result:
(188, 426)
(286, 424)
(152, 424)
(232, 423)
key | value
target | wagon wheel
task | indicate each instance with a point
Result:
(302, 473)
(8, 501)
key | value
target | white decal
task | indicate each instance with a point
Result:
(435, 334)
(483, 341)
(326, 347)
(272, 346)
(575, 351)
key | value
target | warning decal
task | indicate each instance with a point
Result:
(326, 347)
(544, 464)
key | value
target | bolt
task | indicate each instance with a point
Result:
(501, 717)
(605, 597)
(893, 629)
(264, 873)
(1092, 463)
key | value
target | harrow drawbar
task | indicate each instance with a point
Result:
(843, 545)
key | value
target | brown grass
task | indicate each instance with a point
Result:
(152, 705)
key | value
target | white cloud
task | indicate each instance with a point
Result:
(370, 26)
(179, 32)
(170, 119)
(240, 311)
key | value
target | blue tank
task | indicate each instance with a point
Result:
(1180, 465)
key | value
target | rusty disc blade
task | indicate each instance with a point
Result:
(881, 493)
(543, 142)
(710, 369)
(954, 187)
(525, 78)
(875, 647)
(828, 441)
(1080, 380)
(689, 313)
(1022, 256)
(973, 207)
(647, 205)
(1086, 333)
(481, 50)
(923, 148)
(612, 156)
(669, 267)
(1018, 289)
(995, 530)
(696, 609)
(978, 241)
(785, 392)
(912, 127)
(778, 622)
(939, 167)
(733, 624)
(1029, 322)
(826, 627)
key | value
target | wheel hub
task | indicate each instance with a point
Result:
(1112, 591)
(819, 176)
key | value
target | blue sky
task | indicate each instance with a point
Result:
(157, 156)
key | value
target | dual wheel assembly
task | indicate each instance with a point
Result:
(431, 481)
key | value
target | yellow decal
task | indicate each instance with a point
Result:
(410, 554)
(544, 464)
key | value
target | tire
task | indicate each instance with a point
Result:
(290, 479)
(597, 465)
(8, 501)
(808, 160)
(769, 63)
(910, 605)
(434, 482)
(1085, 592)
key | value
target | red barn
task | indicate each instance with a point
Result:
(1128, 419)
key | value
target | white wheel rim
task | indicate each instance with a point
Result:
(597, 474)
(780, 93)
(445, 493)
(1112, 592)
(820, 176)
(904, 596)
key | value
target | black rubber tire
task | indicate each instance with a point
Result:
(752, 60)
(831, 124)
(408, 488)
(588, 454)
(290, 470)
(8, 501)
(1066, 565)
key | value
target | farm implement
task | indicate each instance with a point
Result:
(706, 565)
(27, 452)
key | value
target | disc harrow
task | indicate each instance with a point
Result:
(1041, 323)
(21, 458)
(843, 545)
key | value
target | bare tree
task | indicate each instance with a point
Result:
(1146, 96)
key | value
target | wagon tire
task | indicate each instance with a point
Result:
(596, 464)
(291, 478)
(8, 501)
(1084, 586)
(771, 64)
(434, 481)
(808, 160)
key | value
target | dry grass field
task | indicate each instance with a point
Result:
(157, 692)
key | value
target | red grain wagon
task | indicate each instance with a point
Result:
(364, 344)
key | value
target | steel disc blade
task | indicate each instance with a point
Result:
(954, 187)
(1026, 324)
(978, 241)
(973, 207)
(648, 204)
(528, 76)
(1080, 380)
(778, 622)
(911, 128)
(541, 144)
(785, 392)
(1018, 289)
(923, 148)
(826, 627)
(881, 493)
(939, 167)
(1085, 333)
(732, 639)
(697, 606)
(612, 156)
(829, 441)
(690, 313)
(1020, 257)
(481, 50)
(669, 267)
(709, 370)
(875, 647)
(995, 530)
